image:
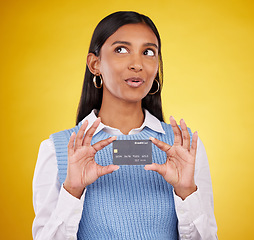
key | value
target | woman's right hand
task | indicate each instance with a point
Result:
(82, 169)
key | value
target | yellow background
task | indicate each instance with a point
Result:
(208, 64)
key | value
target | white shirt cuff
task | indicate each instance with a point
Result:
(70, 209)
(188, 211)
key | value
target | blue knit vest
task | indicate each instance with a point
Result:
(130, 203)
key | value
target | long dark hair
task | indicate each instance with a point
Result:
(91, 97)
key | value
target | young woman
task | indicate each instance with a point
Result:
(79, 193)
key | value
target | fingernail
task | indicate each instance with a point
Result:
(172, 117)
(146, 167)
(151, 138)
(116, 169)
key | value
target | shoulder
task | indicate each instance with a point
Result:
(46, 152)
(64, 135)
(47, 145)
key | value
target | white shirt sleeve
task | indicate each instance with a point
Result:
(57, 213)
(195, 214)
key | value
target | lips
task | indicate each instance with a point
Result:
(134, 82)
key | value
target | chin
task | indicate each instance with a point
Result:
(134, 98)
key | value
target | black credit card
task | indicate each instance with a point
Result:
(132, 152)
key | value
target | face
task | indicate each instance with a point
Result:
(129, 63)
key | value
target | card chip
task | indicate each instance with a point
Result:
(115, 150)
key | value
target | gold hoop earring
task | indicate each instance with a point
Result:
(95, 83)
(157, 88)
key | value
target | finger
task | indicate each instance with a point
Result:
(177, 132)
(159, 168)
(103, 143)
(103, 170)
(80, 135)
(185, 134)
(71, 144)
(89, 134)
(161, 145)
(194, 144)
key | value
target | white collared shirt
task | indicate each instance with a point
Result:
(58, 213)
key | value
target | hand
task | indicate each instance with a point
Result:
(82, 169)
(178, 170)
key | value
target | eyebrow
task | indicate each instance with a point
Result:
(129, 44)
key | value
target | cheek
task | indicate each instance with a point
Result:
(153, 69)
(110, 68)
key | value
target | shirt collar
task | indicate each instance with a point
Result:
(153, 122)
(150, 121)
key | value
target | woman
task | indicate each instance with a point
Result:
(79, 193)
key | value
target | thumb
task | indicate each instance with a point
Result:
(103, 170)
(159, 168)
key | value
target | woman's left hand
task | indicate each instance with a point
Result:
(178, 170)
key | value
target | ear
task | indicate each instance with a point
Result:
(93, 64)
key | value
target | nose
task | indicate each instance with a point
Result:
(136, 64)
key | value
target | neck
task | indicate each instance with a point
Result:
(124, 116)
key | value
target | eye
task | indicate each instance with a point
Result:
(121, 50)
(149, 52)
